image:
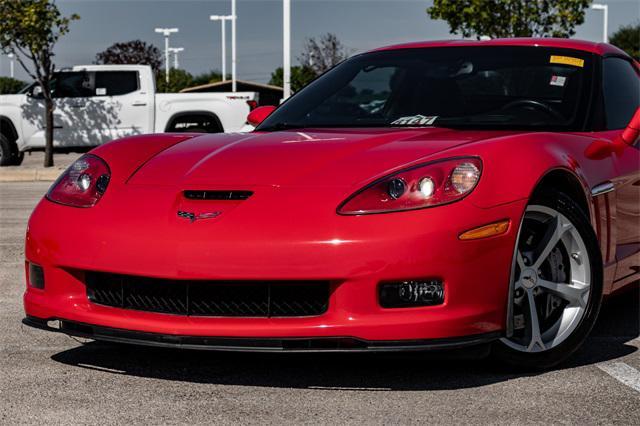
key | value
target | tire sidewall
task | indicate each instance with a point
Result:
(546, 359)
(6, 154)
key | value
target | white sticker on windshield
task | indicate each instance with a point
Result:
(101, 91)
(415, 120)
(558, 80)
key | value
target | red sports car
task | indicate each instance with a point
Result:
(424, 196)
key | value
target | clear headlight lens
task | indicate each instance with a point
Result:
(82, 184)
(427, 185)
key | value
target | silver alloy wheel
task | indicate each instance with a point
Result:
(551, 281)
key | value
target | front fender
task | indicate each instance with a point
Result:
(514, 165)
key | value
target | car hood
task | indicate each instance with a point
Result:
(321, 157)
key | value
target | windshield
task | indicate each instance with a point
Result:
(486, 87)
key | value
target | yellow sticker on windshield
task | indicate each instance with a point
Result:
(567, 60)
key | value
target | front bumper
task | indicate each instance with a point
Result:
(317, 344)
(257, 242)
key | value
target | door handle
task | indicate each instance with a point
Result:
(139, 103)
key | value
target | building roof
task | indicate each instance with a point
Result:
(220, 84)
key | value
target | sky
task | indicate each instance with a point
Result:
(360, 24)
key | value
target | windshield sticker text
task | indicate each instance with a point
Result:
(415, 120)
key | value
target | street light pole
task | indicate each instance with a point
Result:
(166, 32)
(605, 9)
(11, 56)
(233, 46)
(223, 19)
(175, 51)
(286, 47)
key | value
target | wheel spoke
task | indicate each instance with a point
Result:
(555, 231)
(573, 293)
(536, 338)
(520, 260)
(517, 285)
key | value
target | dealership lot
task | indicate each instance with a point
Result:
(50, 378)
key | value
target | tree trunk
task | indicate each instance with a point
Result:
(48, 149)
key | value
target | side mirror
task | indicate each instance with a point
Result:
(599, 149)
(36, 92)
(631, 133)
(259, 114)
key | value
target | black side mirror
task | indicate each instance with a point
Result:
(35, 92)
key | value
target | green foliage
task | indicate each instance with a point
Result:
(628, 39)
(134, 52)
(510, 18)
(10, 85)
(323, 53)
(178, 80)
(30, 29)
(300, 77)
(207, 77)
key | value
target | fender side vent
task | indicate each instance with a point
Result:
(217, 195)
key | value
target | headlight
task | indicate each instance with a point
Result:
(82, 184)
(427, 185)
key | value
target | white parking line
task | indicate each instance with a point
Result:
(624, 373)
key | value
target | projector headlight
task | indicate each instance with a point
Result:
(427, 185)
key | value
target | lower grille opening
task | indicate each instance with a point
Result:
(209, 298)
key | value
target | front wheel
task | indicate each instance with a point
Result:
(556, 284)
(6, 152)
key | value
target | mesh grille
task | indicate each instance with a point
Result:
(209, 298)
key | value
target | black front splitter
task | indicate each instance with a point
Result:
(241, 344)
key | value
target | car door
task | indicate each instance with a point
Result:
(621, 93)
(123, 105)
(72, 91)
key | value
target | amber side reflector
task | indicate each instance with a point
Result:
(486, 231)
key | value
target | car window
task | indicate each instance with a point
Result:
(621, 86)
(73, 84)
(485, 87)
(115, 83)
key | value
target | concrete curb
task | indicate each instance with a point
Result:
(30, 175)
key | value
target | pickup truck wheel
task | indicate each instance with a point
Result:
(194, 123)
(7, 153)
(19, 157)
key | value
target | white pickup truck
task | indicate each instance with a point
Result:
(97, 103)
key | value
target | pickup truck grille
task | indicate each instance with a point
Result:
(209, 298)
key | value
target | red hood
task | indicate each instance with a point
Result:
(327, 157)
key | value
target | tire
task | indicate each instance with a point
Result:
(7, 153)
(558, 270)
(18, 158)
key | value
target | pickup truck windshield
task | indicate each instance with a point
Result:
(485, 87)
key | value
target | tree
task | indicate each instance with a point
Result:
(323, 53)
(10, 85)
(30, 29)
(207, 77)
(134, 52)
(628, 39)
(510, 18)
(178, 80)
(300, 77)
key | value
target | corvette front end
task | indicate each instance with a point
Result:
(258, 271)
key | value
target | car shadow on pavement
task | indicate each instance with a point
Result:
(619, 323)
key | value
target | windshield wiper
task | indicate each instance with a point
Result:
(281, 126)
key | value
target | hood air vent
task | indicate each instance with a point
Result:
(218, 195)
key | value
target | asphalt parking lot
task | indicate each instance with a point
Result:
(47, 378)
